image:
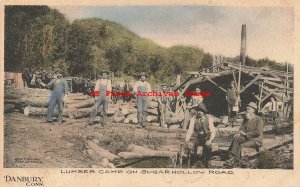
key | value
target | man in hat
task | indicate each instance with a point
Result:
(202, 131)
(249, 136)
(59, 87)
(196, 99)
(141, 88)
(163, 103)
(102, 87)
(232, 98)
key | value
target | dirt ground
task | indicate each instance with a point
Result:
(29, 142)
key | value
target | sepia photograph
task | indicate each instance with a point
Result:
(129, 93)
(148, 87)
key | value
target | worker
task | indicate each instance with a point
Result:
(250, 134)
(273, 107)
(59, 87)
(163, 103)
(202, 132)
(232, 97)
(102, 97)
(141, 90)
(196, 99)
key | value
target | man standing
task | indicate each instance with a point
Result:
(249, 136)
(59, 87)
(232, 98)
(163, 103)
(196, 99)
(102, 87)
(202, 131)
(141, 89)
(273, 108)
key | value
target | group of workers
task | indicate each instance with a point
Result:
(203, 129)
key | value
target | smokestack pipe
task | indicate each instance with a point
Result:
(243, 45)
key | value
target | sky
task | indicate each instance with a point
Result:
(215, 29)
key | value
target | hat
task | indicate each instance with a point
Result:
(164, 84)
(104, 71)
(142, 74)
(201, 107)
(252, 105)
(58, 71)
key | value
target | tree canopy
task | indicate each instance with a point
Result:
(41, 37)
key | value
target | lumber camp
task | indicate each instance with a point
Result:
(229, 114)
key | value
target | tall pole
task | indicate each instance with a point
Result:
(243, 45)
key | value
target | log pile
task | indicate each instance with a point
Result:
(137, 151)
(34, 102)
(129, 116)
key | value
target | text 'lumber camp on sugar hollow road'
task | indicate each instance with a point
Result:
(152, 93)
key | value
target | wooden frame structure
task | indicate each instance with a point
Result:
(278, 84)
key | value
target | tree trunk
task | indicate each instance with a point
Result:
(102, 152)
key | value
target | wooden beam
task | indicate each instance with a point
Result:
(260, 94)
(272, 79)
(277, 95)
(233, 75)
(240, 74)
(268, 95)
(250, 83)
(187, 80)
(278, 85)
(215, 84)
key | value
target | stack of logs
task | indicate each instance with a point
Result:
(34, 102)
(128, 115)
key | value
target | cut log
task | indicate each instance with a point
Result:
(152, 119)
(102, 152)
(118, 119)
(153, 104)
(268, 143)
(82, 104)
(80, 113)
(151, 153)
(132, 116)
(126, 111)
(150, 134)
(9, 107)
(37, 111)
(24, 101)
(153, 111)
(126, 121)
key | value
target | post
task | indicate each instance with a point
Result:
(243, 45)
(178, 80)
(239, 83)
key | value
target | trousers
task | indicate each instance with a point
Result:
(56, 98)
(101, 105)
(240, 142)
(142, 103)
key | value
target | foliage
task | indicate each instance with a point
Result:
(41, 37)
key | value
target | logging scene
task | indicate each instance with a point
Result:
(90, 93)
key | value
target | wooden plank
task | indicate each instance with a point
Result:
(102, 152)
(250, 83)
(268, 144)
(272, 79)
(278, 85)
(268, 95)
(277, 95)
(216, 84)
(182, 84)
